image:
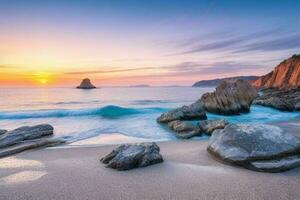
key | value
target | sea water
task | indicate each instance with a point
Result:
(127, 111)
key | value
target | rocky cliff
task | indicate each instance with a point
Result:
(285, 76)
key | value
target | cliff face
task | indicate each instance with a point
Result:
(285, 76)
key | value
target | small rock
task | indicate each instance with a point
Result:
(257, 147)
(194, 111)
(184, 130)
(208, 126)
(30, 144)
(129, 156)
(86, 84)
(25, 133)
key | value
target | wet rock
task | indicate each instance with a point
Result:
(86, 84)
(208, 126)
(129, 156)
(257, 147)
(229, 98)
(285, 100)
(30, 144)
(194, 111)
(184, 130)
(25, 133)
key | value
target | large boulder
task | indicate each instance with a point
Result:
(194, 111)
(25, 133)
(184, 130)
(229, 98)
(86, 84)
(208, 126)
(129, 156)
(285, 100)
(257, 147)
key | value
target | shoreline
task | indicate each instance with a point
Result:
(188, 172)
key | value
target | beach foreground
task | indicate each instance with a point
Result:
(188, 172)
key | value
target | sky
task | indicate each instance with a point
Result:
(132, 42)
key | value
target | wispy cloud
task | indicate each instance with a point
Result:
(266, 40)
(110, 71)
(284, 43)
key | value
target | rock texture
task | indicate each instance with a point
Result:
(2, 131)
(26, 137)
(208, 126)
(216, 82)
(257, 147)
(86, 84)
(285, 100)
(25, 133)
(229, 98)
(285, 76)
(131, 156)
(194, 111)
(184, 130)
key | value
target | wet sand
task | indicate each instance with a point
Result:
(188, 172)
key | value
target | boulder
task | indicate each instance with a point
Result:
(25, 133)
(256, 146)
(208, 126)
(229, 98)
(194, 111)
(184, 130)
(86, 84)
(285, 100)
(129, 156)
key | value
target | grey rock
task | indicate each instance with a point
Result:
(30, 144)
(25, 133)
(192, 112)
(229, 98)
(254, 146)
(129, 156)
(208, 126)
(285, 100)
(2, 131)
(184, 130)
(86, 84)
(278, 165)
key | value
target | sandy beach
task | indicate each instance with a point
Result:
(188, 172)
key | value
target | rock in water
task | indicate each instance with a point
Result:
(25, 133)
(191, 112)
(184, 130)
(229, 98)
(285, 100)
(257, 147)
(86, 84)
(129, 156)
(208, 126)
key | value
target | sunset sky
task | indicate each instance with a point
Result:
(126, 42)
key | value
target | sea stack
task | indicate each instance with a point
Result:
(86, 84)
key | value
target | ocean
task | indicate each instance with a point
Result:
(111, 114)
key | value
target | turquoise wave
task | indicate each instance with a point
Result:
(110, 111)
